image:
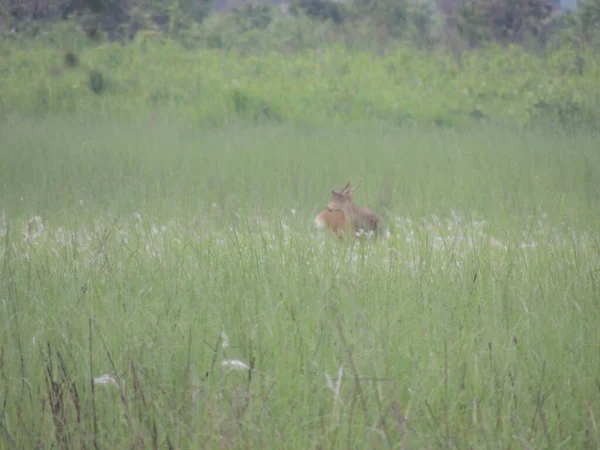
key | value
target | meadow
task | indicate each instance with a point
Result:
(163, 285)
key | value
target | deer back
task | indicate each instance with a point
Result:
(361, 218)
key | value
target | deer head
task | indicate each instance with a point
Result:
(342, 198)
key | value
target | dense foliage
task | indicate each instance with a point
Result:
(156, 75)
(517, 63)
(467, 23)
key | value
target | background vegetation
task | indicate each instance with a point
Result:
(161, 281)
(395, 63)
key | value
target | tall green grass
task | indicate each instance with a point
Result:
(156, 254)
(165, 168)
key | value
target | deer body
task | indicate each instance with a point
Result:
(343, 217)
(361, 218)
(335, 221)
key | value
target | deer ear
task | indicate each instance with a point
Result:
(354, 188)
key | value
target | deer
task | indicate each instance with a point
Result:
(342, 217)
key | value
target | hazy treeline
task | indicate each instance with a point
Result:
(371, 24)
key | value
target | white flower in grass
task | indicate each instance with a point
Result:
(235, 364)
(497, 243)
(105, 379)
(335, 387)
(438, 243)
(224, 340)
(35, 228)
(3, 224)
(530, 244)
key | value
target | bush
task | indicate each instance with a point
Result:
(327, 84)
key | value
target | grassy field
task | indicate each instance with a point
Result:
(140, 261)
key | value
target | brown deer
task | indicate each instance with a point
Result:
(343, 217)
